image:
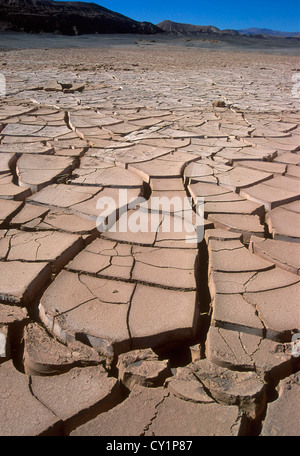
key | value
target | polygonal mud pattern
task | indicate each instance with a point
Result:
(141, 318)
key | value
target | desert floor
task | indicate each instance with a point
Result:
(176, 311)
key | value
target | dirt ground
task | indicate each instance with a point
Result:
(128, 332)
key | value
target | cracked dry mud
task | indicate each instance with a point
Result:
(143, 333)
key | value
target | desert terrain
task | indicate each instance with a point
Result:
(127, 329)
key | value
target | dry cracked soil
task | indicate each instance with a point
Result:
(130, 329)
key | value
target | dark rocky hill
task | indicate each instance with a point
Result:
(68, 18)
(176, 27)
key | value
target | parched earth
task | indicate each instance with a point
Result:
(120, 326)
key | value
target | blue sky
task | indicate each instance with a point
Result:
(283, 15)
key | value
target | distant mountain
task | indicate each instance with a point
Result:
(68, 18)
(176, 27)
(264, 31)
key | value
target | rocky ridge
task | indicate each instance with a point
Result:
(177, 27)
(67, 18)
